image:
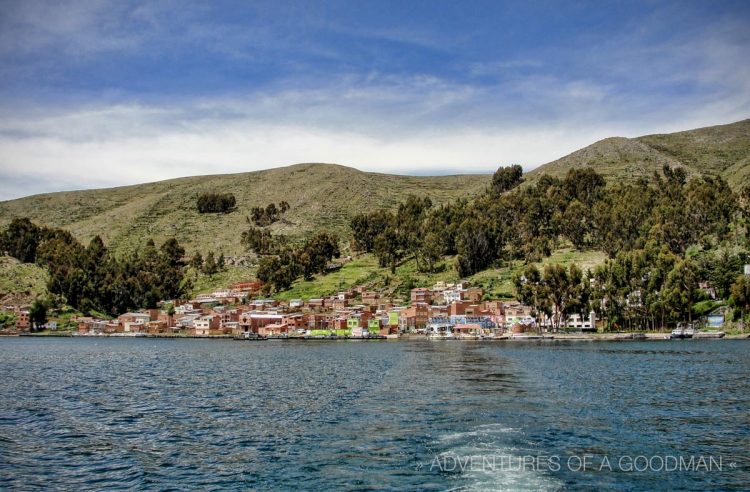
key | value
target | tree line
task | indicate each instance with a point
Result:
(311, 257)
(662, 235)
(283, 260)
(90, 278)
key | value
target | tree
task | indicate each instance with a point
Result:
(366, 228)
(531, 291)
(431, 251)
(215, 203)
(721, 267)
(209, 266)
(476, 247)
(315, 253)
(623, 217)
(565, 290)
(91, 279)
(38, 314)
(505, 179)
(7, 319)
(740, 294)
(21, 239)
(263, 217)
(576, 224)
(278, 271)
(584, 185)
(173, 252)
(262, 242)
(681, 289)
(197, 261)
(389, 248)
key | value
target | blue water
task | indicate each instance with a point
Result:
(206, 414)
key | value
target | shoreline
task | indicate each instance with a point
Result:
(577, 337)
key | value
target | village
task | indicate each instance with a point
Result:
(444, 311)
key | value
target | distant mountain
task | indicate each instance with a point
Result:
(327, 195)
(320, 195)
(722, 150)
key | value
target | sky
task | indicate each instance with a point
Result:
(108, 93)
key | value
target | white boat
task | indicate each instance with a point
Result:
(440, 331)
(682, 331)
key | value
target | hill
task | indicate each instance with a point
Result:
(722, 150)
(320, 196)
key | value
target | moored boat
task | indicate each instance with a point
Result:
(251, 337)
(682, 332)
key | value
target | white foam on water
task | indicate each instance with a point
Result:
(483, 459)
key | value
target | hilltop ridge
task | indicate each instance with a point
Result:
(722, 150)
(320, 196)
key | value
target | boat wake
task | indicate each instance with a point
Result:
(492, 457)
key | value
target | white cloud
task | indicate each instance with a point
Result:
(415, 124)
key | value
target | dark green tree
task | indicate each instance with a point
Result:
(505, 179)
(38, 314)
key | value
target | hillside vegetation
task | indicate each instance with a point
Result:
(364, 271)
(21, 283)
(319, 195)
(722, 150)
(413, 241)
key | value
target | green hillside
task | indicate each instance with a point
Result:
(325, 196)
(21, 282)
(719, 150)
(320, 195)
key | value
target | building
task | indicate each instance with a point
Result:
(370, 298)
(207, 325)
(23, 320)
(252, 321)
(453, 295)
(473, 294)
(133, 322)
(414, 318)
(248, 287)
(421, 295)
(458, 308)
(273, 330)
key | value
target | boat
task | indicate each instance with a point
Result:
(440, 331)
(441, 336)
(468, 336)
(630, 336)
(253, 337)
(682, 332)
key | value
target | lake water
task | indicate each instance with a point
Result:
(110, 414)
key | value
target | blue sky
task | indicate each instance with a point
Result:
(99, 93)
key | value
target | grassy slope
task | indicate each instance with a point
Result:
(320, 195)
(19, 282)
(723, 150)
(205, 284)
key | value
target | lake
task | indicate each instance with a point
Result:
(103, 413)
